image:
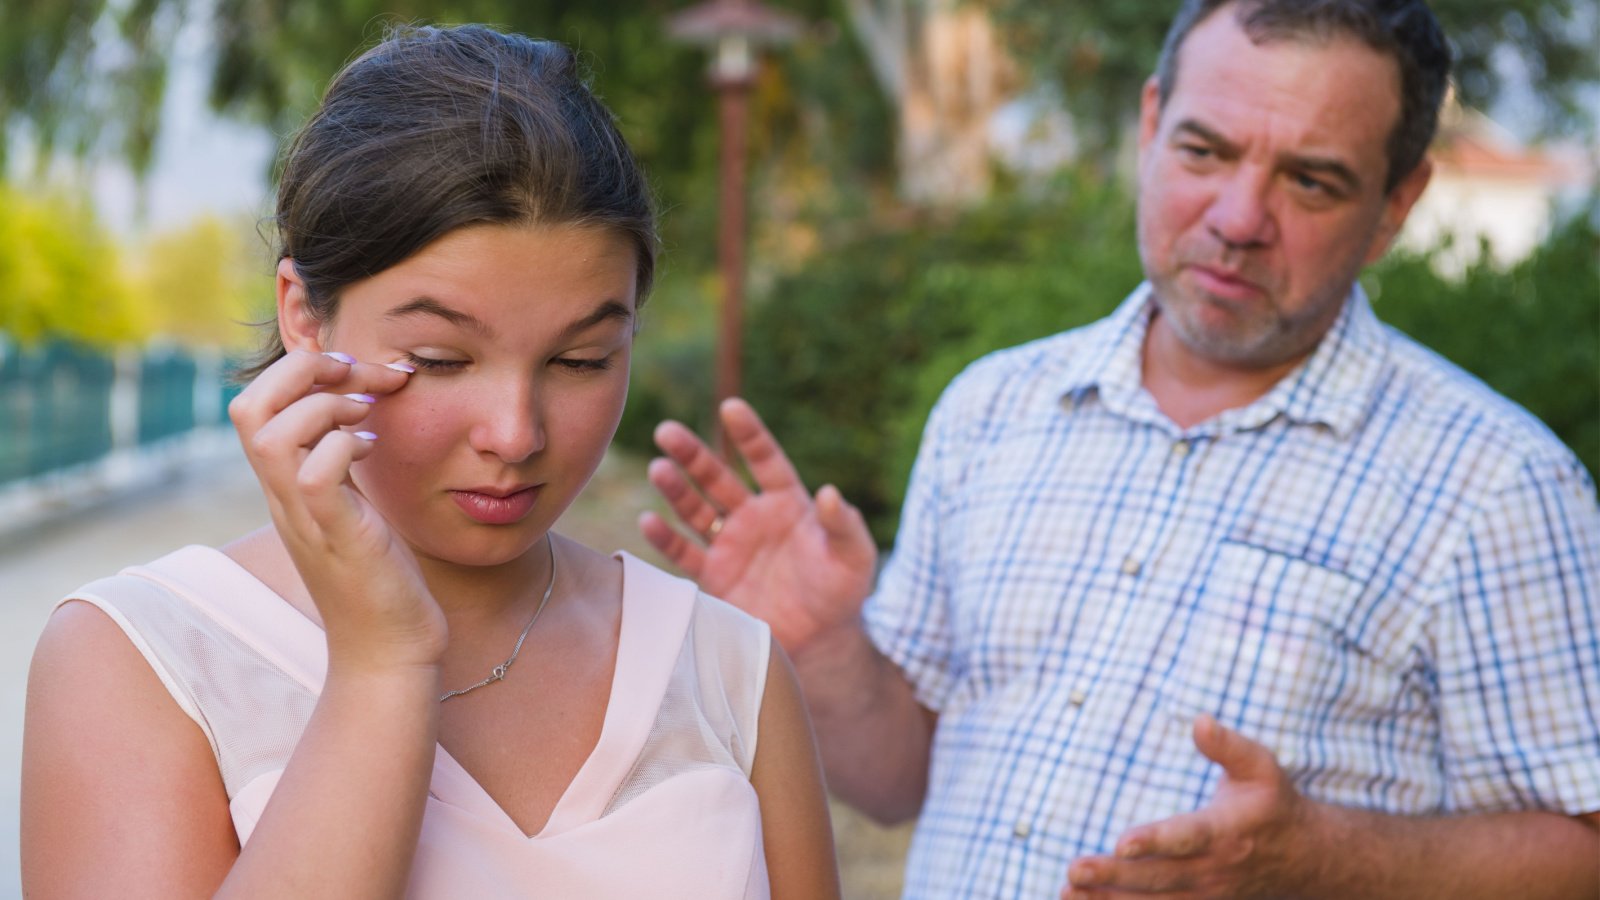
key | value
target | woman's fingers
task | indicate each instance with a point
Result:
(301, 373)
(321, 478)
(299, 427)
(290, 420)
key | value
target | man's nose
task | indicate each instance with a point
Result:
(1240, 215)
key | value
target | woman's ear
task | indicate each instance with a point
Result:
(298, 326)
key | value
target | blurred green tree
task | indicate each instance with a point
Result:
(90, 74)
(61, 274)
(1099, 54)
(199, 283)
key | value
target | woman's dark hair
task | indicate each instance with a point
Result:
(1406, 30)
(436, 129)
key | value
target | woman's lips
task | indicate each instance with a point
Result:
(494, 510)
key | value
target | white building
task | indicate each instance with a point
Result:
(1488, 188)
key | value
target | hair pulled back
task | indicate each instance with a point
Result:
(436, 129)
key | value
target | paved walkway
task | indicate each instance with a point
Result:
(217, 501)
(209, 504)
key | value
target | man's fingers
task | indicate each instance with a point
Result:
(769, 465)
(1241, 758)
(705, 471)
(690, 506)
(1178, 837)
(1107, 876)
(846, 527)
(684, 553)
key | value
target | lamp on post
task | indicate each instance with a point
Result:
(731, 29)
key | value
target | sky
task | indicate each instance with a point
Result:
(203, 164)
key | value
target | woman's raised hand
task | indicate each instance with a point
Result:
(803, 564)
(374, 604)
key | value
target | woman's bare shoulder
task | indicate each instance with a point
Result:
(119, 786)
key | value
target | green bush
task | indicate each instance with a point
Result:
(845, 358)
(1531, 332)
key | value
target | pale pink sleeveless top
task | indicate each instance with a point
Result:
(662, 808)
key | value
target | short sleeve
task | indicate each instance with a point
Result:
(1517, 637)
(908, 617)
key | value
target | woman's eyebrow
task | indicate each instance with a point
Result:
(607, 310)
(427, 306)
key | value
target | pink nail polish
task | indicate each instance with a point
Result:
(400, 367)
(365, 435)
(362, 398)
(345, 358)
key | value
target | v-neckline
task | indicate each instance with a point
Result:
(303, 656)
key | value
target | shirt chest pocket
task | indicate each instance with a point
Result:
(1266, 644)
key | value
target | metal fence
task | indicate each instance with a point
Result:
(64, 405)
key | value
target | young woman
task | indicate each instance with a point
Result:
(408, 683)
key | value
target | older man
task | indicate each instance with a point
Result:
(1236, 592)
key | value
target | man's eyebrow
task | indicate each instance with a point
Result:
(427, 306)
(1207, 134)
(1319, 165)
(606, 311)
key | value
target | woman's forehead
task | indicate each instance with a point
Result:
(485, 278)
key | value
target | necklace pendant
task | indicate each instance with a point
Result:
(499, 672)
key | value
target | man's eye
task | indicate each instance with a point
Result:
(1195, 151)
(1307, 183)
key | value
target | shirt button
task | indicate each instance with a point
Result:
(1077, 698)
(1130, 566)
(1181, 448)
(1022, 830)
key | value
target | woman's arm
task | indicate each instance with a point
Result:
(121, 795)
(788, 778)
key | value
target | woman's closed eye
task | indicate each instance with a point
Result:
(431, 364)
(582, 364)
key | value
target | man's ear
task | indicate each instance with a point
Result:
(298, 326)
(1396, 207)
(1149, 112)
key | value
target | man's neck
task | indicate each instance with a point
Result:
(1190, 389)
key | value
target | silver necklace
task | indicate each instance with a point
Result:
(500, 670)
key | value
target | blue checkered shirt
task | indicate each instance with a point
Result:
(1381, 569)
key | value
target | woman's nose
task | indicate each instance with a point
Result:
(510, 426)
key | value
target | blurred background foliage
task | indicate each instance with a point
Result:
(62, 275)
(847, 356)
(893, 238)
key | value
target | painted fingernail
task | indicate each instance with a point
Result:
(401, 367)
(362, 398)
(365, 435)
(345, 358)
